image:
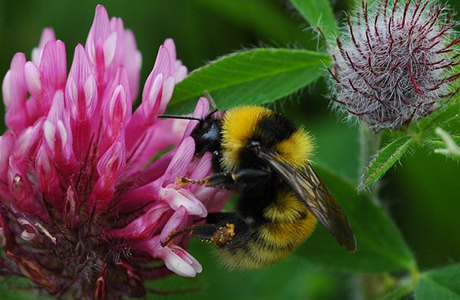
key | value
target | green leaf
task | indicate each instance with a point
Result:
(295, 279)
(263, 17)
(444, 115)
(438, 143)
(384, 160)
(381, 247)
(318, 13)
(250, 77)
(440, 284)
(402, 290)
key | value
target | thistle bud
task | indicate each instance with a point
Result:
(394, 64)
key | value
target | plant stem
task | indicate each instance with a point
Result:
(370, 143)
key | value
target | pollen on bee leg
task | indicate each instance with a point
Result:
(184, 181)
(223, 235)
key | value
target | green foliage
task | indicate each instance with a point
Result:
(385, 159)
(264, 17)
(444, 115)
(446, 144)
(203, 29)
(318, 13)
(399, 292)
(250, 77)
(294, 277)
(380, 245)
(440, 284)
(20, 289)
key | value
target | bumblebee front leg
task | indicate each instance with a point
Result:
(232, 181)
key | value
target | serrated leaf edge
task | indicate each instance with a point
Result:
(367, 180)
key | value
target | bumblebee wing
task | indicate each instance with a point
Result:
(314, 193)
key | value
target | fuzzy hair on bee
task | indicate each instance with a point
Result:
(265, 158)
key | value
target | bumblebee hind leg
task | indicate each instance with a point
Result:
(220, 229)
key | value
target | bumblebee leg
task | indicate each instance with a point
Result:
(219, 229)
(217, 234)
(220, 217)
(232, 181)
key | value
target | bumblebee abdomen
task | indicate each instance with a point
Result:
(270, 243)
(288, 224)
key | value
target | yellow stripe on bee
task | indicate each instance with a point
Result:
(238, 126)
(241, 259)
(297, 149)
(286, 208)
(251, 257)
(288, 233)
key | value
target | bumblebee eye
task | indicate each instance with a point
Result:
(254, 146)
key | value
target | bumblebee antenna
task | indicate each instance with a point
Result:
(178, 117)
(211, 100)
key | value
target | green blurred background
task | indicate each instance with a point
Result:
(421, 194)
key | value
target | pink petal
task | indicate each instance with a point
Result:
(71, 207)
(109, 168)
(6, 146)
(15, 94)
(53, 69)
(132, 62)
(177, 198)
(201, 111)
(109, 48)
(146, 225)
(181, 160)
(33, 79)
(162, 66)
(57, 131)
(166, 94)
(81, 89)
(203, 168)
(117, 105)
(47, 35)
(169, 44)
(163, 134)
(179, 261)
(178, 70)
(48, 181)
(176, 222)
(113, 160)
(26, 143)
(100, 30)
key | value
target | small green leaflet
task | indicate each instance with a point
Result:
(437, 144)
(385, 159)
(318, 13)
(402, 290)
(442, 284)
(381, 247)
(250, 77)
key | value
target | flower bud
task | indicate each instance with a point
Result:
(394, 64)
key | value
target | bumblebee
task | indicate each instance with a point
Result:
(264, 157)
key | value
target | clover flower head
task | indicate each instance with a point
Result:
(83, 209)
(394, 63)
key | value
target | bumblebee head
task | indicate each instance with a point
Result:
(206, 134)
